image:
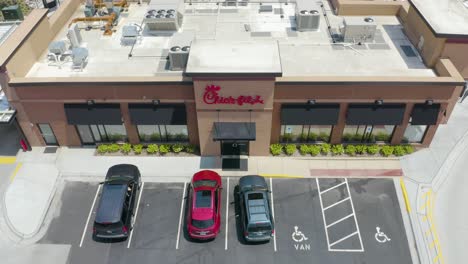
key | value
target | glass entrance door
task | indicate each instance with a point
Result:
(86, 135)
(48, 134)
(234, 148)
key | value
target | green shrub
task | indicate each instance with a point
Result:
(287, 137)
(372, 149)
(361, 149)
(314, 150)
(399, 151)
(323, 137)
(289, 149)
(181, 137)
(152, 149)
(304, 149)
(313, 137)
(102, 149)
(347, 137)
(190, 148)
(276, 149)
(325, 149)
(113, 148)
(303, 137)
(337, 150)
(386, 151)
(137, 149)
(126, 148)
(350, 150)
(382, 136)
(408, 149)
(176, 148)
(164, 149)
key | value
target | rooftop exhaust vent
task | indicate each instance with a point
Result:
(164, 15)
(369, 19)
(304, 12)
(175, 48)
(178, 56)
(307, 16)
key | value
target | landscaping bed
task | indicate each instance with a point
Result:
(340, 149)
(175, 149)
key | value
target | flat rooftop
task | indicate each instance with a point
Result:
(310, 53)
(445, 17)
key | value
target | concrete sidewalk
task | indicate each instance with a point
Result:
(438, 172)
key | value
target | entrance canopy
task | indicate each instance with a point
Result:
(371, 114)
(424, 114)
(234, 131)
(98, 114)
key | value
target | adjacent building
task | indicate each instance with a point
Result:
(234, 77)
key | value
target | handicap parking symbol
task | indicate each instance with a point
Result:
(380, 236)
(299, 237)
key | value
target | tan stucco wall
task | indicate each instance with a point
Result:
(366, 8)
(458, 54)
(415, 27)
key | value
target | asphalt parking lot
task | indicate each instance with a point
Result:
(316, 221)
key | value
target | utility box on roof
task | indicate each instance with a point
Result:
(12, 13)
(358, 29)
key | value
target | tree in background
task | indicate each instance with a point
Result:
(22, 3)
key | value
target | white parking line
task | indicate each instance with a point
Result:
(340, 220)
(136, 213)
(344, 238)
(333, 187)
(273, 213)
(89, 215)
(181, 213)
(337, 203)
(323, 213)
(355, 216)
(227, 219)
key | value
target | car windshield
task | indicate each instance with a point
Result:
(203, 199)
(202, 223)
(259, 228)
(201, 183)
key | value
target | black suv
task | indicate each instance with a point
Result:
(114, 216)
(255, 212)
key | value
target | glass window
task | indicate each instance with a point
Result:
(382, 133)
(353, 133)
(163, 133)
(317, 133)
(414, 133)
(203, 199)
(47, 134)
(291, 133)
(115, 133)
(176, 133)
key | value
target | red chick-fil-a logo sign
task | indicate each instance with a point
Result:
(211, 96)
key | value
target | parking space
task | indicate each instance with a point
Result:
(316, 220)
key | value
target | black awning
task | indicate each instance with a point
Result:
(102, 114)
(305, 114)
(234, 131)
(372, 114)
(424, 114)
(163, 114)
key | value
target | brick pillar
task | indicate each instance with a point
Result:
(399, 132)
(192, 123)
(276, 123)
(431, 130)
(132, 132)
(337, 131)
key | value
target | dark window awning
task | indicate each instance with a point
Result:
(234, 131)
(163, 114)
(424, 114)
(305, 114)
(102, 114)
(372, 114)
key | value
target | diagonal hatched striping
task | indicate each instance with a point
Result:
(327, 226)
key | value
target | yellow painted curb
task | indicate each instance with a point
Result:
(405, 195)
(13, 175)
(281, 176)
(7, 160)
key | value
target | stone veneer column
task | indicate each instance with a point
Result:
(337, 131)
(399, 132)
(132, 132)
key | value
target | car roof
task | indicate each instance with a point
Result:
(252, 182)
(123, 170)
(206, 175)
(111, 203)
(257, 209)
(205, 212)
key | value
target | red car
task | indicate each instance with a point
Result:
(204, 214)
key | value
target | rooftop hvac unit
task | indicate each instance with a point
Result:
(358, 29)
(74, 36)
(12, 13)
(179, 50)
(307, 16)
(164, 15)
